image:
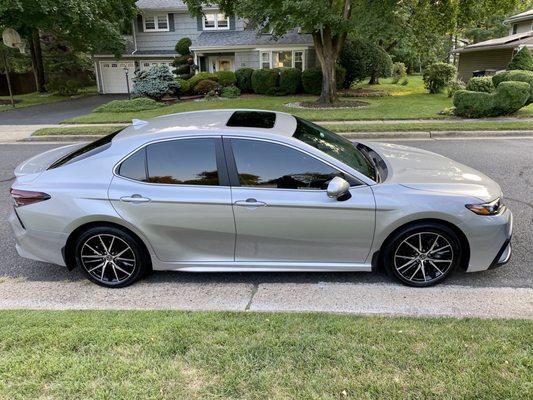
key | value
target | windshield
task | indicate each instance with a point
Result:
(335, 146)
(86, 151)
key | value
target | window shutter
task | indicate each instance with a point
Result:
(232, 23)
(140, 26)
(199, 21)
(171, 23)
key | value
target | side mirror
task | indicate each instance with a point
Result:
(338, 189)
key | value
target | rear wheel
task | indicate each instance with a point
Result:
(423, 254)
(111, 257)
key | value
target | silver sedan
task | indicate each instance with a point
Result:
(249, 190)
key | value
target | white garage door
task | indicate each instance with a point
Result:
(114, 77)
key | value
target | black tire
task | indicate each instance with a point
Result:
(91, 250)
(404, 261)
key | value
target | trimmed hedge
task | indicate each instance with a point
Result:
(290, 80)
(137, 104)
(312, 79)
(182, 46)
(522, 60)
(205, 86)
(508, 98)
(185, 85)
(230, 92)
(480, 84)
(226, 78)
(263, 80)
(202, 76)
(517, 76)
(244, 79)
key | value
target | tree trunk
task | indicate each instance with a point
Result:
(327, 50)
(37, 60)
(374, 79)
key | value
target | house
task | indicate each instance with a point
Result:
(219, 42)
(490, 56)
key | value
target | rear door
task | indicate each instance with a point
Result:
(177, 193)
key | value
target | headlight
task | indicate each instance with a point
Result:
(492, 208)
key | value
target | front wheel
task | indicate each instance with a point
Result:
(423, 254)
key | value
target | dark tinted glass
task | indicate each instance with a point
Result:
(186, 162)
(134, 166)
(86, 151)
(252, 119)
(264, 164)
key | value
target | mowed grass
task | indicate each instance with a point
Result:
(185, 355)
(78, 130)
(36, 98)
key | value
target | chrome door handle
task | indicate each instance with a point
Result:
(250, 203)
(135, 198)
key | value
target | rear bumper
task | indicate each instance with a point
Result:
(37, 245)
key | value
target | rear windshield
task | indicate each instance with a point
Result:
(86, 151)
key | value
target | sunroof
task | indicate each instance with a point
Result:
(252, 119)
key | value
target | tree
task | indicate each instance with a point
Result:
(522, 60)
(90, 26)
(328, 21)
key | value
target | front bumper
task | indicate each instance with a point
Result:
(37, 245)
(503, 256)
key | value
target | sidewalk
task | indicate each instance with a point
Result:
(422, 121)
(13, 133)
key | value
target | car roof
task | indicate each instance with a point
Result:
(205, 121)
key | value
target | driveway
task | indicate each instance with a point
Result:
(502, 292)
(48, 114)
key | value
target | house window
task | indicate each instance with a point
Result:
(285, 58)
(214, 21)
(515, 28)
(155, 23)
(298, 60)
(265, 59)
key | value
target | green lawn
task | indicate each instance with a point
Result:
(182, 355)
(77, 130)
(32, 99)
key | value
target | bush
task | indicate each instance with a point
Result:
(182, 46)
(230, 92)
(184, 86)
(312, 79)
(276, 91)
(522, 60)
(398, 72)
(137, 104)
(405, 82)
(454, 86)
(63, 87)
(290, 80)
(480, 84)
(438, 76)
(155, 82)
(508, 98)
(244, 79)
(202, 76)
(205, 86)
(363, 59)
(226, 78)
(517, 76)
(263, 80)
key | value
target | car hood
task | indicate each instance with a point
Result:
(424, 170)
(42, 161)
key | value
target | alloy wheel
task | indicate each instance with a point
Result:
(423, 257)
(108, 259)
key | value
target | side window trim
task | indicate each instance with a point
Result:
(234, 173)
(222, 170)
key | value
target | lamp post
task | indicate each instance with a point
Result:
(126, 71)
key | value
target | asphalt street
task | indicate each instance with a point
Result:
(508, 161)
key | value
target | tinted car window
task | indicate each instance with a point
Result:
(134, 167)
(270, 165)
(252, 119)
(185, 161)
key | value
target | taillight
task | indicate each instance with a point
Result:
(25, 197)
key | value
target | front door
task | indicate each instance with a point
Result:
(176, 193)
(282, 211)
(225, 64)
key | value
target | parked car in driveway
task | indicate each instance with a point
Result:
(248, 190)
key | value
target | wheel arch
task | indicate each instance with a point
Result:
(377, 256)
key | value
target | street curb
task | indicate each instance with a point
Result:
(62, 138)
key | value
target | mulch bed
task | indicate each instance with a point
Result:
(325, 106)
(7, 102)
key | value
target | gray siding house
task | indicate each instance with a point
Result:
(219, 42)
(491, 56)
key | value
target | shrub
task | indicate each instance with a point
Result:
(522, 60)
(398, 72)
(362, 59)
(312, 79)
(438, 76)
(480, 84)
(230, 92)
(226, 78)
(244, 79)
(518, 76)
(184, 85)
(290, 80)
(276, 91)
(205, 86)
(182, 46)
(264, 79)
(63, 87)
(454, 86)
(155, 82)
(202, 76)
(137, 104)
(508, 98)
